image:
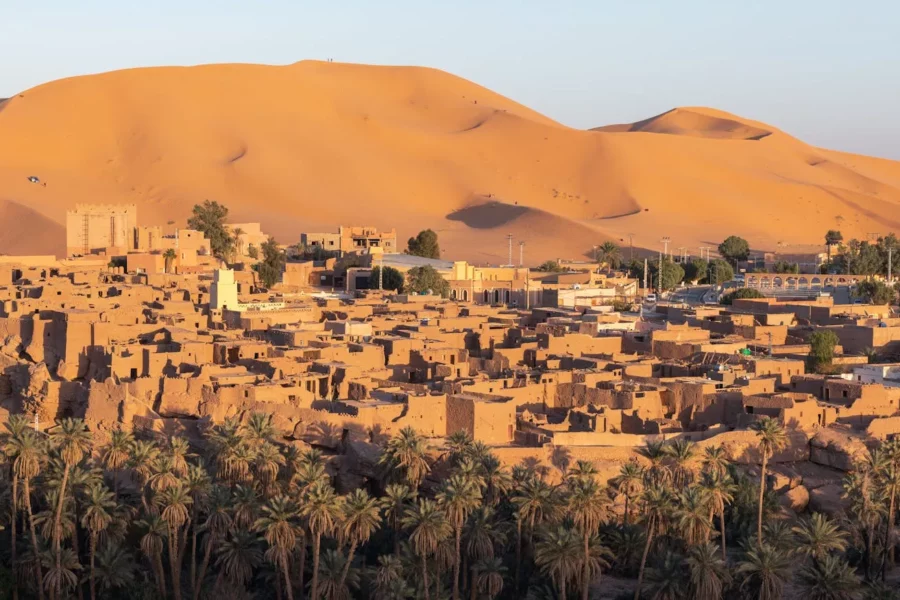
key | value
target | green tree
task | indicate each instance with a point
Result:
(209, 218)
(696, 270)
(818, 537)
(828, 579)
(764, 571)
(821, 349)
(657, 504)
(734, 249)
(272, 265)
(428, 527)
(279, 526)
(392, 279)
(556, 554)
(876, 292)
(550, 266)
(425, 244)
(783, 266)
(740, 294)
(426, 279)
(458, 498)
(587, 508)
(361, 519)
(322, 509)
(99, 509)
(169, 256)
(771, 438)
(672, 274)
(719, 271)
(253, 252)
(709, 572)
(608, 253)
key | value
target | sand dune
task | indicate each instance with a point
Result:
(697, 122)
(313, 145)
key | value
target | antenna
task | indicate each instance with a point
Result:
(521, 254)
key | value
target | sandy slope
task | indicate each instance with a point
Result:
(312, 145)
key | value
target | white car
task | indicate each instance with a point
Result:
(650, 299)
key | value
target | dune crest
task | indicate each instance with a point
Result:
(317, 144)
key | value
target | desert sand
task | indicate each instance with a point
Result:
(312, 145)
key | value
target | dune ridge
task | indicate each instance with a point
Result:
(313, 144)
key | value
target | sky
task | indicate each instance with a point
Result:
(826, 71)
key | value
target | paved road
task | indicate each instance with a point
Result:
(691, 295)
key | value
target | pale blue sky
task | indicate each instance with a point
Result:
(827, 71)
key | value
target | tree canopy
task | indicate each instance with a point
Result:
(821, 349)
(833, 236)
(392, 279)
(209, 218)
(672, 274)
(739, 294)
(734, 249)
(420, 280)
(425, 244)
(272, 264)
(695, 270)
(876, 292)
(783, 266)
(550, 266)
(719, 271)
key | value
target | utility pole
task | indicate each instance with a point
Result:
(381, 273)
(631, 243)
(509, 262)
(645, 274)
(665, 241)
(521, 254)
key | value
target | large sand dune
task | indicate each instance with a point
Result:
(313, 145)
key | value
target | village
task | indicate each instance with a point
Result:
(153, 332)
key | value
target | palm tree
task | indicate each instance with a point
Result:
(890, 483)
(198, 485)
(692, 516)
(818, 536)
(407, 452)
(681, 453)
(115, 568)
(608, 253)
(771, 438)
(116, 453)
(719, 489)
(25, 451)
(169, 255)
(458, 498)
(152, 547)
(535, 502)
(655, 452)
(764, 571)
(657, 503)
(587, 508)
(497, 479)
(334, 584)
(429, 527)
(668, 578)
(389, 581)
(322, 509)
(218, 522)
(361, 519)
(629, 482)
(143, 458)
(394, 503)
(709, 572)
(238, 555)
(829, 579)
(61, 572)
(489, 578)
(715, 460)
(72, 440)
(279, 528)
(98, 515)
(175, 502)
(556, 554)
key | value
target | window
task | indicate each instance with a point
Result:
(844, 393)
